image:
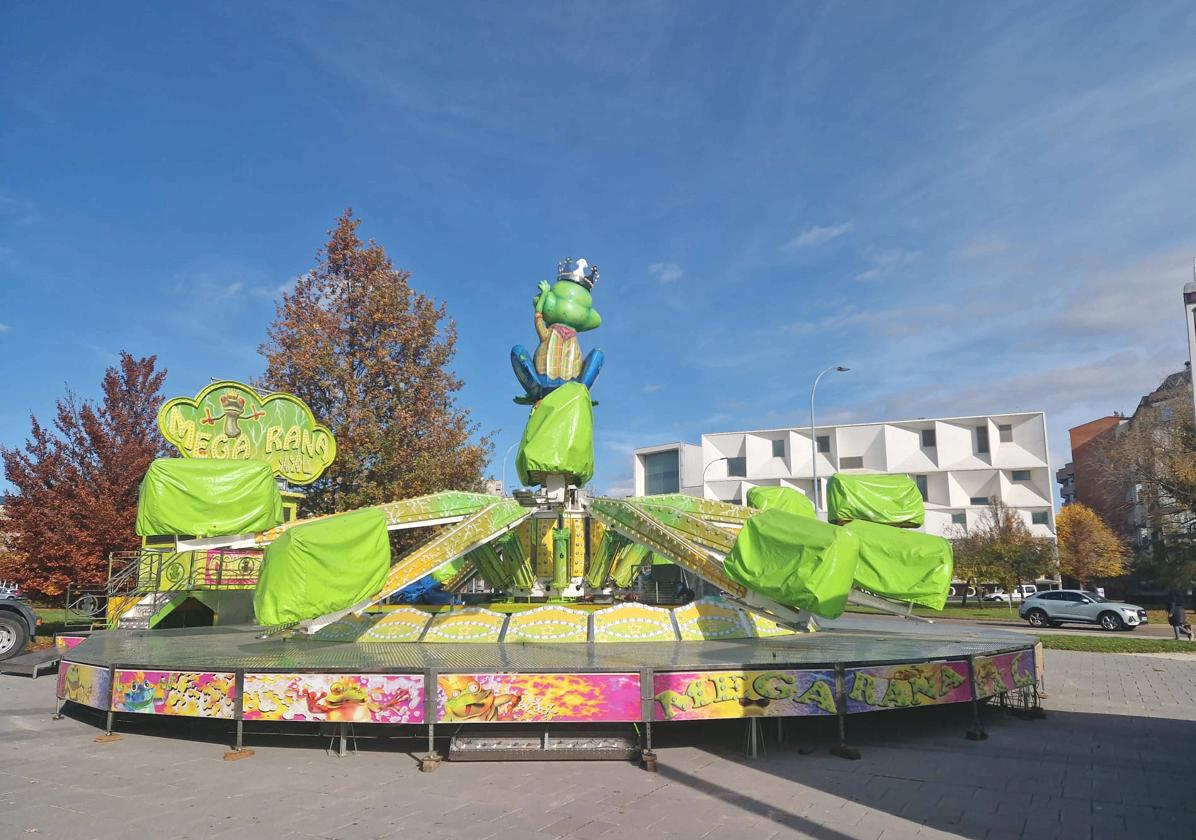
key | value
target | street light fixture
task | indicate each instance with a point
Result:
(505, 456)
(813, 434)
(705, 469)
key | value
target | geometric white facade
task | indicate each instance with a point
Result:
(959, 463)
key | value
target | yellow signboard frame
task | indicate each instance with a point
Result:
(229, 419)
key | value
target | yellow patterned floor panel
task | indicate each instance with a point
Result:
(549, 624)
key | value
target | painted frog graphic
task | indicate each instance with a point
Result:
(349, 700)
(232, 407)
(77, 685)
(466, 700)
(563, 309)
(139, 694)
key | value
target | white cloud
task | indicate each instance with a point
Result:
(231, 290)
(982, 246)
(652, 388)
(274, 292)
(886, 262)
(620, 488)
(666, 273)
(5, 328)
(818, 235)
(19, 211)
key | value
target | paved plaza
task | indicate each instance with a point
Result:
(1110, 760)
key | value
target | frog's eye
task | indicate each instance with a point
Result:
(473, 688)
(457, 693)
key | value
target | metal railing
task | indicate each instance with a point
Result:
(157, 573)
(149, 570)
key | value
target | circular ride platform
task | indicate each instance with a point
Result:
(852, 665)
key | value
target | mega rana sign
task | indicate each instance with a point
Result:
(231, 420)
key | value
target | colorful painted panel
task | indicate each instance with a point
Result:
(84, 684)
(710, 618)
(763, 627)
(1003, 673)
(468, 625)
(530, 698)
(548, 624)
(185, 693)
(349, 698)
(64, 643)
(697, 695)
(906, 686)
(233, 569)
(633, 623)
(405, 624)
(346, 629)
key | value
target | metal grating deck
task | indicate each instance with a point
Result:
(847, 641)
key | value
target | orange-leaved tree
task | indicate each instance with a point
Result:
(74, 484)
(1088, 548)
(371, 356)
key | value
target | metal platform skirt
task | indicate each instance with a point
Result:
(852, 665)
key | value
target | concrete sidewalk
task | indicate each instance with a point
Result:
(1109, 761)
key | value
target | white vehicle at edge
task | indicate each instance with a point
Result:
(1020, 593)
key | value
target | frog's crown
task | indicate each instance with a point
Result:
(575, 271)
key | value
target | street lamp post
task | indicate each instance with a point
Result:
(505, 456)
(813, 434)
(705, 469)
(1190, 317)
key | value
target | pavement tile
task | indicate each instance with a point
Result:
(1097, 766)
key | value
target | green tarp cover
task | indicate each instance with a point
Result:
(203, 497)
(325, 565)
(884, 499)
(559, 437)
(907, 565)
(795, 560)
(780, 498)
(448, 570)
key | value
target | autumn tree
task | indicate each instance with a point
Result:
(1000, 548)
(1151, 460)
(75, 482)
(1088, 548)
(371, 356)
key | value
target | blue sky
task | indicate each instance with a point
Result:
(976, 208)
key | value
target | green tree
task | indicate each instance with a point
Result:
(1000, 548)
(371, 356)
(1088, 548)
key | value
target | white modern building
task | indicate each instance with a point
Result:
(959, 463)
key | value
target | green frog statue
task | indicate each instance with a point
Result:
(563, 309)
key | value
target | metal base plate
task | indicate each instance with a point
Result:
(477, 743)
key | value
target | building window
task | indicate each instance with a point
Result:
(851, 462)
(824, 443)
(978, 500)
(661, 473)
(960, 518)
(737, 467)
(920, 480)
(778, 449)
(981, 439)
(1166, 413)
(1021, 475)
(928, 439)
(1040, 517)
(1005, 433)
